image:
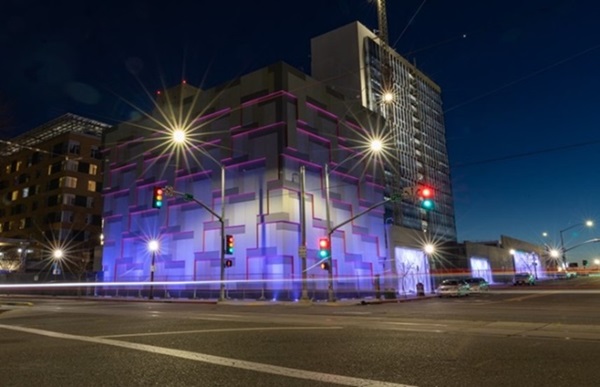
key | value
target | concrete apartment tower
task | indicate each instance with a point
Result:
(352, 60)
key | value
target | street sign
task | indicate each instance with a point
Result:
(302, 251)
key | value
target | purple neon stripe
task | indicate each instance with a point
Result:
(254, 130)
(116, 169)
(193, 175)
(321, 110)
(311, 134)
(272, 95)
(135, 140)
(302, 161)
(248, 162)
(213, 115)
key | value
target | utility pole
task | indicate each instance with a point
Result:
(302, 249)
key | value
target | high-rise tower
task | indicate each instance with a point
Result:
(358, 64)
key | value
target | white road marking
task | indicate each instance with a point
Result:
(418, 324)
(219, 330)
(217, 360)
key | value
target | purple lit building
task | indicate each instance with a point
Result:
(261, 129)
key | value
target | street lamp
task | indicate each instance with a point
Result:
(57, 256)
(179, 137)
(153, 247)
(375, 145)
(429, 249)
(587, 223)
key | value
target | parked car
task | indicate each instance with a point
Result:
(478, 284)
(524, 279)
(454, 288)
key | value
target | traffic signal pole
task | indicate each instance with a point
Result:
(406, 192)
(222, 220)
(171, 192)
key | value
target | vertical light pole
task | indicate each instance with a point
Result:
(222, 220)
(587, 223)
(375, 146)
(302, 249)
(179, 136)
(429, 249)
(330, 294)
(152, 247)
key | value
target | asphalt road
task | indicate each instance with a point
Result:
(547, 335)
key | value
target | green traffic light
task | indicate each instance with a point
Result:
(427, 204)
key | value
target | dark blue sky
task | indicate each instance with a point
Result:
(519, 79)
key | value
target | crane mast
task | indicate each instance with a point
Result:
(382, 21)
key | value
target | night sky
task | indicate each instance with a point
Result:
(519, 81)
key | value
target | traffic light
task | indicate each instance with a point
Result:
(325, 265)
(425, 195)
(324, 248)
(228, 263)
(229, 244)
(157, 197)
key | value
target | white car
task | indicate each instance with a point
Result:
(477, 284)
(453, 288)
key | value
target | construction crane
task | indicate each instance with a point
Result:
(382, 21)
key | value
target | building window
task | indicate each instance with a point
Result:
(91, 185)
(25, 192)
(93, 169)
(21, 224)
(67, 216)
(95, 152)
(74, 147)
(71, 165)
(68, 199)
(14, 195)
(54, 168)
(68, 182)
(59, 149)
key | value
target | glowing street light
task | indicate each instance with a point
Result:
(57, 256)
(153, 246)
(429, 249)
(179, 138)
(388, 97)
(587, 223)
(376, 146)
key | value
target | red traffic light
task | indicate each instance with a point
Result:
(229, 244)
(157, 197)
(425, 192)
(323, 243)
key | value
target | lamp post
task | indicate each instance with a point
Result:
(587, 223)
(153, 247)
(375, 146)
(57, 256)
(429, 249)
(179, 137)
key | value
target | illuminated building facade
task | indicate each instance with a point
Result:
(259, 130)
(352, 61)
(50, 185)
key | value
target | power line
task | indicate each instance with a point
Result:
(526, 154)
